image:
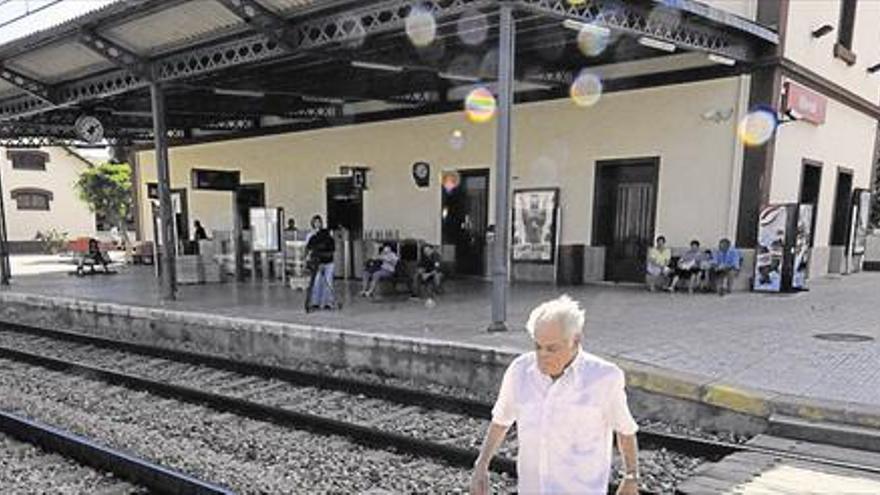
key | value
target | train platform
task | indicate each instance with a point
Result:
(811, 355)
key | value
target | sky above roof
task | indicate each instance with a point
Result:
(19, 18)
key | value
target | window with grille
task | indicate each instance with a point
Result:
(28, 159)
(32, 199)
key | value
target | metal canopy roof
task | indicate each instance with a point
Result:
(237, 65)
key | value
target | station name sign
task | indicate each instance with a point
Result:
(216, 180)
(805, 104)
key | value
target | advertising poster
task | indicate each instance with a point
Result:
(534, 225)
(802, 246)
(863, 206)
(770, 249)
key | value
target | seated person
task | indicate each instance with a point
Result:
(428, 272)
(657, 269)
(95, 256)
(706, 270)
(688, 267)
(726, 262)
(385, 265)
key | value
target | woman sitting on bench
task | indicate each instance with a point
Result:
(92, 258)
(378, 269)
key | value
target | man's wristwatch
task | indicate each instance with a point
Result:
(630, 477)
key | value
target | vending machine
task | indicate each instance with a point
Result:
(782, 256)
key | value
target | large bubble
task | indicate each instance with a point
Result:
(586, 89)
(473, 28)
(480, 105)
(593, 40)
(666, 15)
(421, 27)
(456, 140)
(757, 127)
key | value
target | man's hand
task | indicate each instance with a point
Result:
(628, 487)
(480, 482)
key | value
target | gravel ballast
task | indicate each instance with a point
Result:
(661, 470)
(245, 455)
(26, 469)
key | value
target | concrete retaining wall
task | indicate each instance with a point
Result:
(474, 367)
(654, 392)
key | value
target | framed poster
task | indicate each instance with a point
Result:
(534, 225)
(862, 203)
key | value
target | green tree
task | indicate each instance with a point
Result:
(107, 190)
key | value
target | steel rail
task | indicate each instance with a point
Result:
(369, 437)
(158, 479)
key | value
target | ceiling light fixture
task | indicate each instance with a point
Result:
(376, 66)
(581, 26)
(321, 99)
(657, 44)
(458, 77)
(239, 92)
(720, 59)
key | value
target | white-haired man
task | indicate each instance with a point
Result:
(566, 404)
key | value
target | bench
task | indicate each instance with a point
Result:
(79, 248)
(402, 277)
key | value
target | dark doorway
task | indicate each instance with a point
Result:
(811, 181)
(465, 213)
(182, 216)
(623, 218)
(345, 205)
(842, 207)
(249, 196)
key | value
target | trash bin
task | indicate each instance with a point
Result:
(570, 268)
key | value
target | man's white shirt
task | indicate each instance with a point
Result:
(564, 427)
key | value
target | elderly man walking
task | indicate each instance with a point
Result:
(566, 404)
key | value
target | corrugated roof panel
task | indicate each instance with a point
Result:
(7, 89)
(287, 6)
(59, 61)
(44, 15)
(184, 23)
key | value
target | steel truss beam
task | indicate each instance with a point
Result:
(337, 29)
(661, 23)
(34, 88)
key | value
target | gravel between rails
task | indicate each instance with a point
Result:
(247, 456)
(661, 470)
(26, 469)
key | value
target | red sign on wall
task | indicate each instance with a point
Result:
(804, 104)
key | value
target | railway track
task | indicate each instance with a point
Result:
(48, 469)
(418, 422)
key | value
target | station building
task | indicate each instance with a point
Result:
(659, 153)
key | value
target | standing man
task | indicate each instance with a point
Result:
(566, 404)
(320, 247)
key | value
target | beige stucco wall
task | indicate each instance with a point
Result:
(845, 140)
(556, 144)
(818, 54)
(66, 212)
